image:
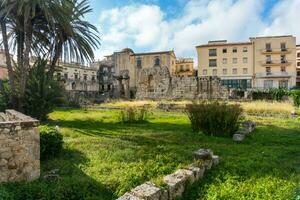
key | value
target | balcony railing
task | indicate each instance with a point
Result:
(274, 74)
(276, 62)
(276, 51)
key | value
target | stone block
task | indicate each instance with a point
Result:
(238, 137)
(128, 196)
(244, 131)
(147, 191)
(197, 172)
(176, 182)
(203, 154)
(215, 160)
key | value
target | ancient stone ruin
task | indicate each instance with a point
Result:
(176, 183)
(157, 83)
(19, 147)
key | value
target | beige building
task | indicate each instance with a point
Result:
(128, 66)
(78, 78)
(184, 67)
(232, 62)
(298, 65)
(3, 68)
(263, 62)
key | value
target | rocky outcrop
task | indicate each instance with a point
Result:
(19, 147)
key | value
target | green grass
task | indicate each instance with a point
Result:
(103, 158)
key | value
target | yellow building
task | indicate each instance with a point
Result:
(263, 62)
(232, 62)
(298, 65)
(184, 67)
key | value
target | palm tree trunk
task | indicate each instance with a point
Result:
(57, 53)
(9, 64)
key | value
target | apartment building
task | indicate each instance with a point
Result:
(298, 65)
(184, 67)
(274, 61)
(262, 62)
(232, 62)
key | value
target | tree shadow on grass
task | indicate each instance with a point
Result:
(68, 182)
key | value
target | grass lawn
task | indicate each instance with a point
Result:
(102, 159)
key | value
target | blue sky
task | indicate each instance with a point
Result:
(158, 25)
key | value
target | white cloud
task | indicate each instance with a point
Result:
(145, 27)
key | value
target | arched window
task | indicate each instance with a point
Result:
(157, 61)
(73, 86)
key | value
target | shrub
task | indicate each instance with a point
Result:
(4, 95)
(215, 118)
(134, 115)
(51, 142)
(42, 93)
(296, 97)
(270, 94)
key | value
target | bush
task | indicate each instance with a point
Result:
(51, 142)
(42, 93)
(270, 94)
(4, 95)
(215, 118)
(134, 115)
(296, 97)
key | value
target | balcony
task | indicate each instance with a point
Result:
(276, 51)
(274, 75)
(276, 62)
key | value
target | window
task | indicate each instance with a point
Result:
(298, 73)
(268, 59)
(214, 72)
(181, 68)
(268, 47)
(298, 64)
(268, 70)
(66, 76)
(93, 78)
(224, 50)
(157, 61)
(204, 72)
(283, 84)
(283, 46)
(73, 86)
(245, 49)
(234, 60)
(283, 69)
(283, 59)
(139, 63)
(245, 60)
(105, 69)
(105, 78)
(268, 84)
(76, 76)
(224, 71)
(212, 52)
(85, 77)
(234, 71)
(234, 50)
(298, 55)
(187, 67)
(212, 62)
(112, 70)
(245, 71)
(224, 61)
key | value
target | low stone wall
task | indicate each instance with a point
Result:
(19, 147)
(175, 183)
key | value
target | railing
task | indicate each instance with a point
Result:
(276, 50)
(276, 62)
(274, 74)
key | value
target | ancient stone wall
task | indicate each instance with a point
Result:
(156, 83)
(19, 147)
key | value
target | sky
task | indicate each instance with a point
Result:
(180, 25)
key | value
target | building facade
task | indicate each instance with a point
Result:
(77, 77)
(298, 65)
(263, 62)
(3, 68)
(184, 67)
(232, 62)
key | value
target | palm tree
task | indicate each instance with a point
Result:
(51, 28)
(73, 38)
